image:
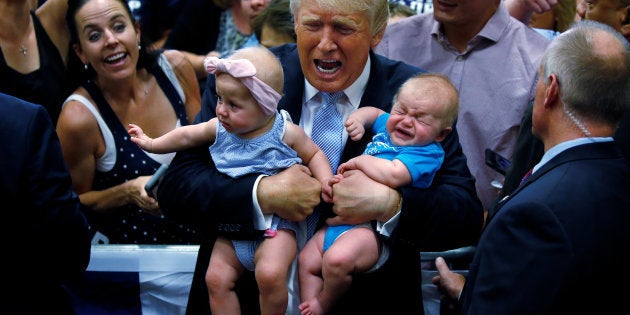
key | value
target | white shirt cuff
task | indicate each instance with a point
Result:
(388, 227)
(261, 221)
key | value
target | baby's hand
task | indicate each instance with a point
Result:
(327, 192)
(138, 137)
(355, 129)
(350, 164)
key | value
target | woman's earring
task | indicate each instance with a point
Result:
(85, 66)
(139, 46)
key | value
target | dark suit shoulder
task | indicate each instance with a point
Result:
(395, 72)
(15, 107)
(283, 51)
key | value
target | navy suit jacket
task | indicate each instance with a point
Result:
(559, 243)
(445, 216)
(45, 235)
(528, 150)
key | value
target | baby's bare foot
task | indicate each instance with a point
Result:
(312, 307)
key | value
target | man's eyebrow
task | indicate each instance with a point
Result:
(342, 20)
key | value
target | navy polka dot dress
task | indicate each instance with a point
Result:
(129, 224)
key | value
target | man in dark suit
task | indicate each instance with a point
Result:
(333, 53)
(46, 242)
(559, 243)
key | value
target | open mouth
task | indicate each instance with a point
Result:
(224, 124)
(115, 58)
(403, 133)
(327, 66)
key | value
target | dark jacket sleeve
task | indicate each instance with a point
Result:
(448, 215)
(47, 228)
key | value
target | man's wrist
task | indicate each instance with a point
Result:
(393, 211)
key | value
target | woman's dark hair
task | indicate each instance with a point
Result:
(276, 15)
(146, 59)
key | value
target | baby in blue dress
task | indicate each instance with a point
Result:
(249, 135)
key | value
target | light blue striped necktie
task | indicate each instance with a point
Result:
(327, 134)
(328, 129)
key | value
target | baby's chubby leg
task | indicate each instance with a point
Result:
(273, 259)
(223, 271)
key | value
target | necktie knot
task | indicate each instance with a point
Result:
(331, 98)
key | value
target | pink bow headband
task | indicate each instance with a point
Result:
(244, 70)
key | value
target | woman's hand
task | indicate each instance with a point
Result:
(137, 195)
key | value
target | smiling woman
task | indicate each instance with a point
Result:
(122, 83)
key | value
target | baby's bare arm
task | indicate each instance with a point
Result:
(311, 156)
(177, 139)
(360, 120)
(391, 173)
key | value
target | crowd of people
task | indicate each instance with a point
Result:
(362, 123)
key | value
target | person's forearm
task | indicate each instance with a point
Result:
(522, 9)
(519, 10)
(193, 190)
(197, 62)
(106, 199)
(391, 173)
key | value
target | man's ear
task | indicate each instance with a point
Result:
(376, 39)
(551, 94)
